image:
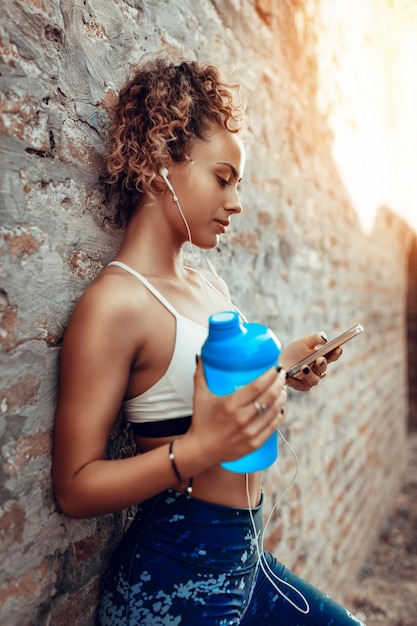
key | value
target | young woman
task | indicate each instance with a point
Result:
(192, 556)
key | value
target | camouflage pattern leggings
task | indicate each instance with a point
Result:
(186, 562)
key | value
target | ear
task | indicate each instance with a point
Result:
(163, 172)
(165, 163)
(161, 177)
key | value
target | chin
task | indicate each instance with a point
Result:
(207, 244)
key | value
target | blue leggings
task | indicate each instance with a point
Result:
(187, 562)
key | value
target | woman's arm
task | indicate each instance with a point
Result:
(98, 351)
(99, 348)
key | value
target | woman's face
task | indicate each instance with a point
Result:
(206, 186)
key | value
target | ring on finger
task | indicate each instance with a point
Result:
(260, 408)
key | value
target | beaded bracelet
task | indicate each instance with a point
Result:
(186, 490)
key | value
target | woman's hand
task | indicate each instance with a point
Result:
(227, 427)
(299, 349)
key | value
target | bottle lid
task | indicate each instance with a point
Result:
(226, 319)
(233, 345)
(224, 324)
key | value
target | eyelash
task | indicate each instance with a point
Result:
(222, 181)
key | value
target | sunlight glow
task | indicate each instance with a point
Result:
(368, 90)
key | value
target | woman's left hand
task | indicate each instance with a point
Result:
(299, 349)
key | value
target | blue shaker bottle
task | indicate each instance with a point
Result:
(233, 355)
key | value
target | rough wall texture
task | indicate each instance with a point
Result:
(412, 336)
(297, 260)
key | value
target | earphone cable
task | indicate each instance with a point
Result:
(164, 173)
(269, 574)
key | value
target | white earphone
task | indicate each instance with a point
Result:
(164, 173)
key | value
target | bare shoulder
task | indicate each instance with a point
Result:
(114, 294)
(112, 305)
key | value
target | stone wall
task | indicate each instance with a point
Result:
(297, 260)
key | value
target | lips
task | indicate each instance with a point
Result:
(224, 223)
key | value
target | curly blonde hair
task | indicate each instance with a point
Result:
(160, 111)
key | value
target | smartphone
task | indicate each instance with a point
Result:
(325, 349)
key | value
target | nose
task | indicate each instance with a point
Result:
(233, 203)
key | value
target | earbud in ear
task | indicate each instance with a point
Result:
(164, 173)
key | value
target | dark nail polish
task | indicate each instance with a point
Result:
(197, 358)
(324, 338)
(278, 368)
(306, 370)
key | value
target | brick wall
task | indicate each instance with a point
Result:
(412, 336)
(297, 260)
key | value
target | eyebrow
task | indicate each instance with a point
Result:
(232, 169)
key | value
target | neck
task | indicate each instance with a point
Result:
(149, 246)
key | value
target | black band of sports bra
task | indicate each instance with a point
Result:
(162, 428)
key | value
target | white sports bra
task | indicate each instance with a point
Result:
(166, 408)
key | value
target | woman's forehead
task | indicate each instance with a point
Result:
(221, 146)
